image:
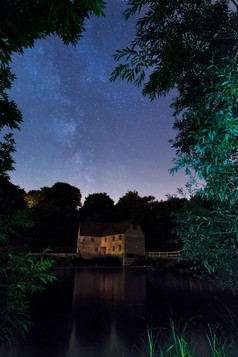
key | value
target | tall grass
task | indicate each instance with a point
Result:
(179, 342)
(219, 345)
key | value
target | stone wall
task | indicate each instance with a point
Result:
(112, 245)
(135, 241)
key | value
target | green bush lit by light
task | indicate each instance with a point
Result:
(191, 46)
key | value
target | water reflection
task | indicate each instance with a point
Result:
(184, 297)
(107, 307)
(102, 312)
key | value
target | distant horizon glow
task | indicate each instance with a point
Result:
(83, 130)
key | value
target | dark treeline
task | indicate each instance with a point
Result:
(56, 212)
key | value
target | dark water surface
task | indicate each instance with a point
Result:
(103, 312)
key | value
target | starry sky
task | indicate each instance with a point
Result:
(81, 129)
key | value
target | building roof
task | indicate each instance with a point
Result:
(103, 229)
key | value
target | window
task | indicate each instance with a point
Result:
(105, 239)
(113, 249)
(83, 239)
(96, 249)
(120, 237)
(113, 238)
(119, 247)
(92, 239)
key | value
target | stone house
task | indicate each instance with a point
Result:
(123, 238)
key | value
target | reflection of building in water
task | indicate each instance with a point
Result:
(121, 239)
(99, 284)
(107, 304)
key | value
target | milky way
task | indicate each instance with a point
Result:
(81, 129)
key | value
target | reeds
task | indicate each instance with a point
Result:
(219, 345)
(180, 342)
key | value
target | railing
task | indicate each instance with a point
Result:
(155, 255)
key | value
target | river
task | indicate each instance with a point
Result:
(104, 312)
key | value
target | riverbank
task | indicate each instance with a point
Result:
(72, 260)
(163, 265)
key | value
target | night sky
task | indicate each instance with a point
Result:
(81, 129)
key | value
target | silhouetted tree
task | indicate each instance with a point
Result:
(132, 206)
(161, 229)
(12, 196)
(97, 207)
(12, 200)
(56, 216)
(153, 217)
(64, 196)
(61, 195)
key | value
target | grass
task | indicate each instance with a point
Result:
(219, 345)
(179, 342)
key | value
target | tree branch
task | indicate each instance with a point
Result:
(233, 2)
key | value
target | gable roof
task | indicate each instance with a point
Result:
(103, 229)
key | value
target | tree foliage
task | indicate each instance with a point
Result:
(174, 43)
(20, 274)
(153, 217)
(209, 230)
(34, 197)
(133, 206)
(61, 195)
(97, 207)
(191, 45)
(211, 127)
(209, 234)
(21, 23)
(10, 118)
(56, 216)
